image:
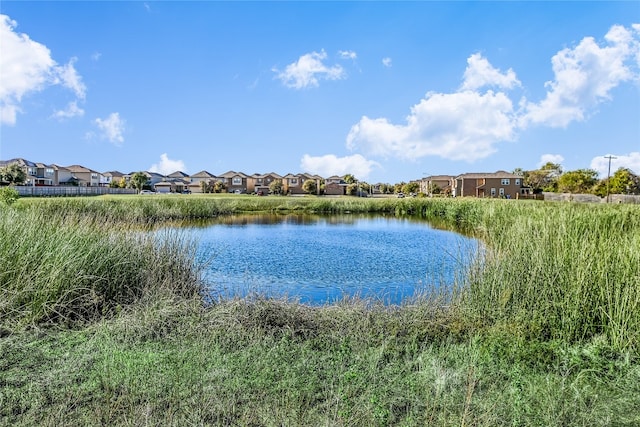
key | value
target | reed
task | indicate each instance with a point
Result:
(563, 271)
(566, 271)
(68, 269)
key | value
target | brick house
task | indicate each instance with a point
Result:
(497, 184)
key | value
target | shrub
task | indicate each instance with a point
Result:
(8, 195)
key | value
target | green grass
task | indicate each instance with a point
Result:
(102, 325)
(564, 271)
(64, 270)
(270, 363)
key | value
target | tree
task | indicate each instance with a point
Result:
(13, 174)
(411, 187)
(309, 186)
(578, 181)
(205, 187)
(349, 179)
(434, 188)
(543, 179)
(276, 186)
(386, 188)
(139, 180)
(624, 181)
(219, 187)
(365, 187)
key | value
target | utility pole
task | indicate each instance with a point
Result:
(609, 173)
(426, 189)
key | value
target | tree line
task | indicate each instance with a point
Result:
(551, 178)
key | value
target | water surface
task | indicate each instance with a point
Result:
(320, 259)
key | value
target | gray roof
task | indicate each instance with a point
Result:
(203, 174)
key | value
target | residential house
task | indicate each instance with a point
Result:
(237, 182)
(165, 187)
(179, 175)
(195, 186)
(497, 184)
(292, 184)
(109, 177)
(84, 176)
(438, 184)
(153, 177)
(176, 182)
(335, 186)
(30, 169)
(63, 176)
(262, 182)
(45, 175)
(202, 176)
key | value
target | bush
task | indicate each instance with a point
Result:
(9, 195)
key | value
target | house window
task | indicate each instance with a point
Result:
(94, 176)
(502, 191)
(293, 181)
(32, 171)
(49, 172)
(493, 192)
(505, 181)
(236, 181)
(517, 181)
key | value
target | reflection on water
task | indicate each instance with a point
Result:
(319, 258)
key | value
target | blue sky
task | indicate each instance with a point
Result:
(387, 91)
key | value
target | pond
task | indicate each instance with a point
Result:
(321, 259)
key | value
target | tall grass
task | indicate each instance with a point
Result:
(150, 209)
(566, 271)
(67, 269)
(563, 271)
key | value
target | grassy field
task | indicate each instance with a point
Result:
(100, 324)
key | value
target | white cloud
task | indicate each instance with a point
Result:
(69, 77)
(330, 164)
(630, 161)
(481, 73)
(585, 76)
(468, 123)
(167, 166)
(553, 158)
(347, 54)
(457, 126)
(72, 110)
(27, 67)
(112, 128)
(307, 70)
(387, 62)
